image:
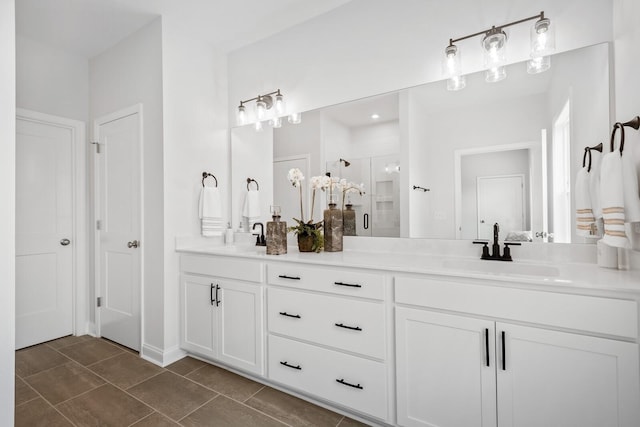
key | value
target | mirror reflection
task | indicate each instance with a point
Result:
(440, 164)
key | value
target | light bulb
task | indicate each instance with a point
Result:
(452, 63)
(241, 115)
(495, 74)
(276, 122)
(494, 46)
(261, 108)
(279, 104)
(542, 38)
(456, 83)
(258, 126)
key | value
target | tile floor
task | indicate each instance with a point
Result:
(85, 381)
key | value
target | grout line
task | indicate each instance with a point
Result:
(146, 416)
(139, 382)
(340, 421)
(213, 398)
(259, 390)
(39, 395)
(106, 358)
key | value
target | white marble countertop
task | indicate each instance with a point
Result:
(562, 276)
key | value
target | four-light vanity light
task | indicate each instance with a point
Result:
(494, 42)
(268, 108)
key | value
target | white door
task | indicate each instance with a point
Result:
(501, 200)
(560, 379)
(239, 307)
(44, 232)
(118, 213)
(287, 196)
(445, 370)
(198, 299)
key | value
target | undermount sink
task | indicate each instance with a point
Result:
(502, 267)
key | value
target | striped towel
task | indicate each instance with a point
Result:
(612, 199)
(585, 220)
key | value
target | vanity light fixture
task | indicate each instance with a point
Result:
(269, 107)
(494, 43)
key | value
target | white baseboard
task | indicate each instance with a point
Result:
(160, 357)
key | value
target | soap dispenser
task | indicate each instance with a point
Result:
(276, 233)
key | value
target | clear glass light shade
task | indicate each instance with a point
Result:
(495, 74)
(258, 126)
(276, 122)
(452, 62)
(539, 64)
(456, 83)
(279, 105)
(261, 109)
(295, 118)
(543, 40)
(494, 46)
(241, 116)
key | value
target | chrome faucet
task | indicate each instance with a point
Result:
(260, 240)
(495, 249)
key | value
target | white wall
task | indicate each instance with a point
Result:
(7, 209)
(196, 139)
(51, 81)
(369, 47)
(127, 74)
(627, 84)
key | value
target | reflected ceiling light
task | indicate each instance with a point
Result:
(276, 122)
(258, 126)
(269, 106)
(295, 118)
(375, 116)
(494, 43)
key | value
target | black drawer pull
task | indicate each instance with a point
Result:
(284, 313)
(291, 366)
(353, 328)
(284, 276)
(211, 294)
(347, 284)
(343, 382)
(486, 345)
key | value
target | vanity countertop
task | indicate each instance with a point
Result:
(567, 276)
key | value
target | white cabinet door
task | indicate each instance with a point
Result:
(239, 311)
(198, 313)
(560, 379)
(445, 370)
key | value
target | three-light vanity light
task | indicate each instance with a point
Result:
(268, 108)
(494, 42)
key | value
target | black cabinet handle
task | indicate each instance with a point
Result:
(285, 363)
(217, 299)
(284, 276)
(211, 294)
(343, 382)
(504, 361)
(284, 313)
(365, 221)
(486, 345)
(354, 285)
(353, 328)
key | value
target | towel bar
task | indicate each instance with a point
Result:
(588, 150)
(207, 174)
(249, 181)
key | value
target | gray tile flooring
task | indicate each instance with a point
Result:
(85, 381)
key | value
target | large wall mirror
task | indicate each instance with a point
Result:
(440, 164)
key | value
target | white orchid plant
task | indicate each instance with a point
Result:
(307, 228)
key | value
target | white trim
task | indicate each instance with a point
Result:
(160, 357)
(79, 237)
(122, 113)
(457, 160)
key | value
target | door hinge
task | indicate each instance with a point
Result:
(98, 224)
(99, 302)
(97, 144)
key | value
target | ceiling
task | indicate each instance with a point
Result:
(89, 27)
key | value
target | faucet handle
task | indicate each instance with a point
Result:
(485, 248)
(507, 251)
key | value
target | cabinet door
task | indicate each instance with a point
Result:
(445, 370)
(197, 311)
(240, 335)
(553, 378)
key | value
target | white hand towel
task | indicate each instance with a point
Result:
(594, 184)
(210, 203)
(612, 199)
(630, 187)
(251, 207)
(585, 221)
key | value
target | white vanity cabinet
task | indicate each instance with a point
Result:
(461, 359)
(221, 309)
(328, 335)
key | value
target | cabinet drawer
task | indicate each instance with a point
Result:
(318, 371)
(594, 314)
(226, 267)
(337, 281)
(339, 322)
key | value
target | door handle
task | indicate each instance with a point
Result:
(65, 242)
(365, 220)
(133, 244)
